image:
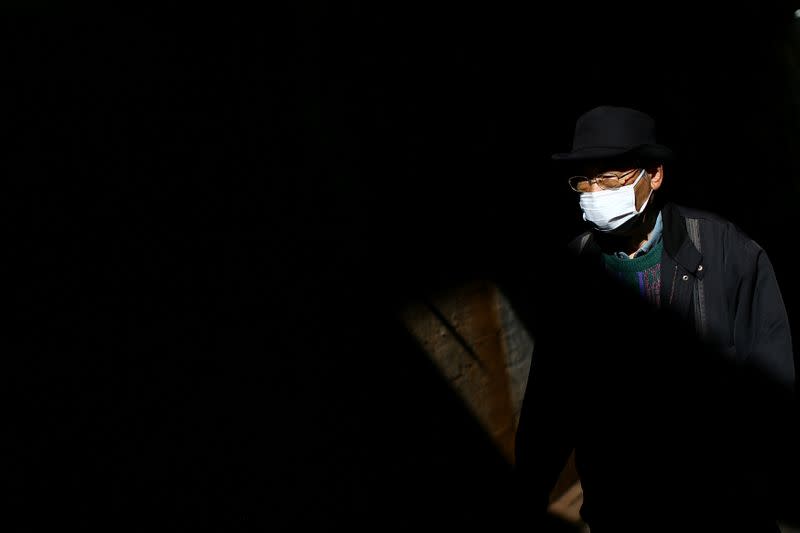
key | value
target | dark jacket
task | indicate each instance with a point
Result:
(722, 281)
(659, 417)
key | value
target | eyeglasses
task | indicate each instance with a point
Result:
(605, 181)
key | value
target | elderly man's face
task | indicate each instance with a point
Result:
(600, 177)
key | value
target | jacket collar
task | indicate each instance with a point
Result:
(676, 239)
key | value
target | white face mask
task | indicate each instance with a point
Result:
(609, 209)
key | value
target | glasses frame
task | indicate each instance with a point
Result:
(573, 180)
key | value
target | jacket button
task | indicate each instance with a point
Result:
(685, 277)
(699, 268)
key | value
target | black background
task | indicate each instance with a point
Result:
(211, 222)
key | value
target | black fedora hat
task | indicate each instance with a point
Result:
(607, 132)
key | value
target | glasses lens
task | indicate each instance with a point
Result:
(579, 183)
(609, 182)
(605, 181)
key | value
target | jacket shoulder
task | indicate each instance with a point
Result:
(578, 244)
(710, 218)
(691, 212)
(719, 226)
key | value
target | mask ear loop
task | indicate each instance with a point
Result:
(647, 200)
(638, 178)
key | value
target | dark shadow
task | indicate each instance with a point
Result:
(210, 229)
(667, 430)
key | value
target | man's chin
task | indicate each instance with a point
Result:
(627, 229)
(633, 226)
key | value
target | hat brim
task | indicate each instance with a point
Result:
(655, 152)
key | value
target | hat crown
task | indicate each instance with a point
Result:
(613, 127)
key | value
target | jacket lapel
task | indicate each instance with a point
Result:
(678, 263)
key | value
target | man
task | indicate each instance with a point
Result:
(682, 352)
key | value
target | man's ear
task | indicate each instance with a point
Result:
(656, 176)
